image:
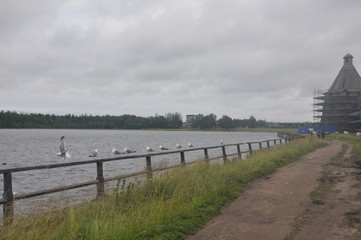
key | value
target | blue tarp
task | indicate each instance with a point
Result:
(304, 130)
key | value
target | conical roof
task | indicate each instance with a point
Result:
(348, 77)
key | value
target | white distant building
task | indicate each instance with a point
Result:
(189, 120)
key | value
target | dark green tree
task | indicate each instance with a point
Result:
(261, 123)
(174, 120)
(205, 122)
(225, 122)
(252, 122)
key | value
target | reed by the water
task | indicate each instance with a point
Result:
(170, 206)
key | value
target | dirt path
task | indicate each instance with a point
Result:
(336, 217)
(277, 207)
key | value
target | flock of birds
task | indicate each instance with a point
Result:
(65, 153)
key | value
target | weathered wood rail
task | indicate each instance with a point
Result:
(9, 198)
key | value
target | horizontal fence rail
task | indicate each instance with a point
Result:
(9, 198)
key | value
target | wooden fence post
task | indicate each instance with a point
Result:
(224, 154)
(239, 151)
(206, 157)
(280, 140)
(275, 142)
(100, 178)
(260, 145)
(183, 160)
(149, 168)
(268, 145)
(250, 148)
(8, 206)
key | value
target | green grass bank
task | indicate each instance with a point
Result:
(283, 130)
(344, 137)
(171, 206)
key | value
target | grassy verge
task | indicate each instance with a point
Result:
(354, 216)
(344, 137)
(356, 157)
(356, 150)
(338, 158)
(169, 207)
(286, 130)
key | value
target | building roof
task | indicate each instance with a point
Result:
(348, 55)
(348, 77)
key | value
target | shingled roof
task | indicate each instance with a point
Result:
(348, 77)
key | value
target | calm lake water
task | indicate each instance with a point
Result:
(29, 147)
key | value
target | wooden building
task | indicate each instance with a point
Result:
(342, 99)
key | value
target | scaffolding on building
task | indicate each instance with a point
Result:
(318, 101)
(337, 105)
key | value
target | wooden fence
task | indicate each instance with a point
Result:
(9, 198)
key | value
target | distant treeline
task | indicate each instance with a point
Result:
(210, 122)
(10, 119)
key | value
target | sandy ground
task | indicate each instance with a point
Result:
(279, 206)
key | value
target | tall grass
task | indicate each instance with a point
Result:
(169, 207)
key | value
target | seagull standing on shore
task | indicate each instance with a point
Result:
(221, 142)
(116, 152)
(178, 146)
(63, 152)
(94, 153)
(190, 145)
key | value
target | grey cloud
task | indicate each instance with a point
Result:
(143, 57)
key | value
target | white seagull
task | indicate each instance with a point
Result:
(190, 145)
(221, 142)
(149, 149)
(116, 152)
(126, 150)
(94, 153)
(178, 146)
(63, 152)
(162, 148)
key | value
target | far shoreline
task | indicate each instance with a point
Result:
(290, 130)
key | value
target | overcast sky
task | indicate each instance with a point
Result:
(145, 57)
